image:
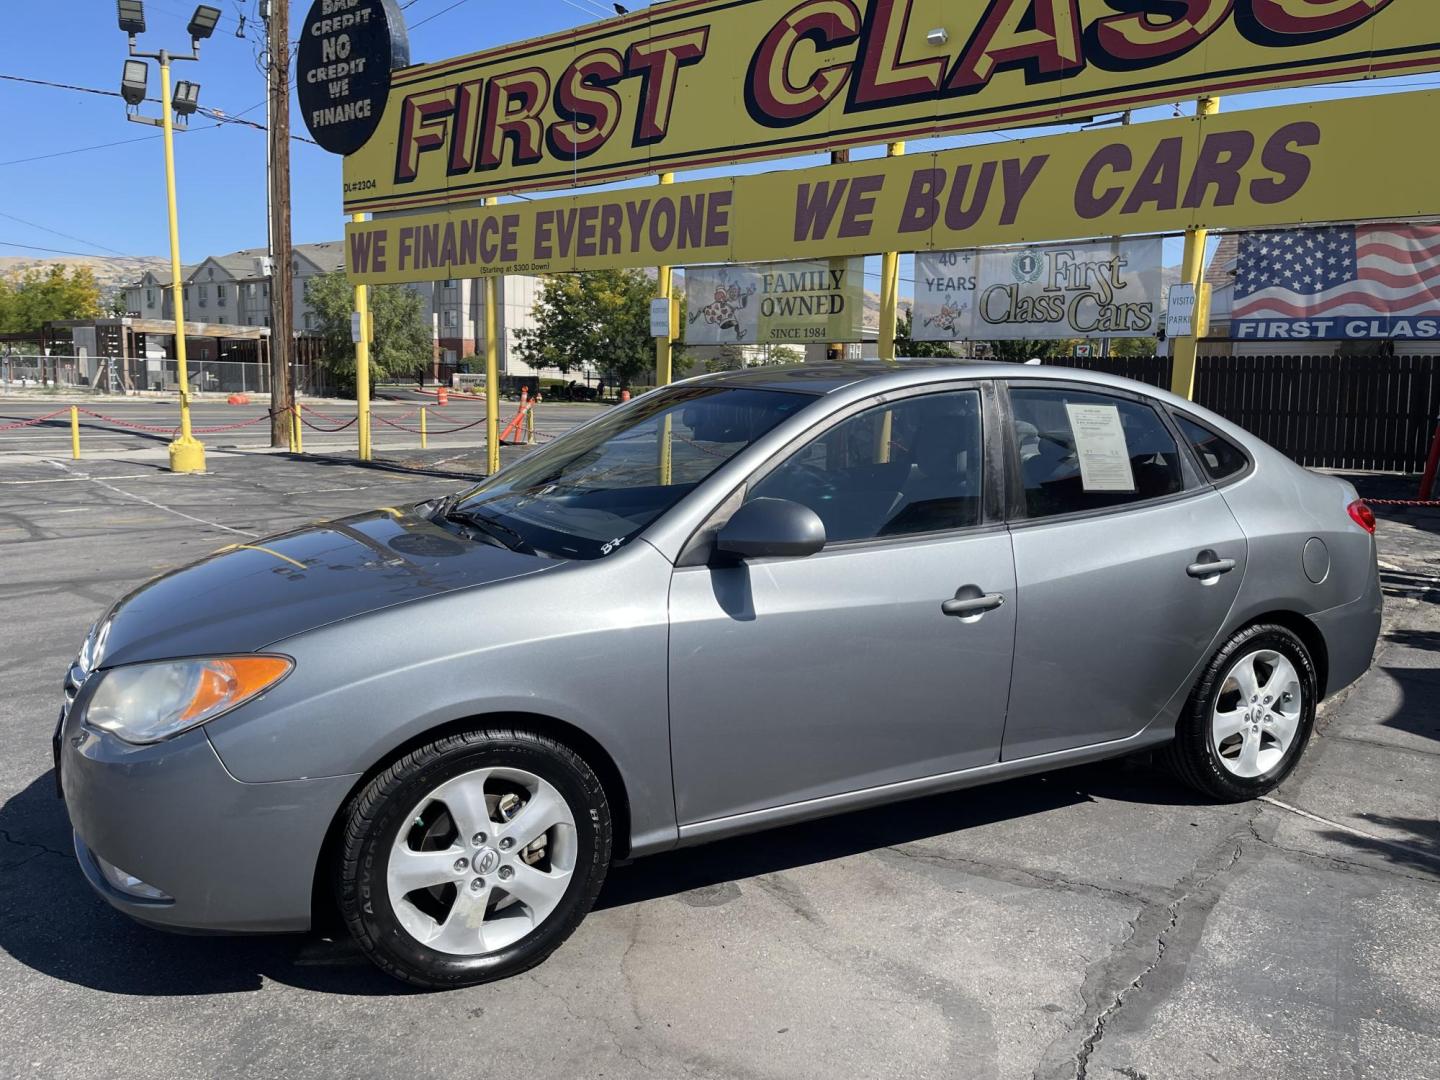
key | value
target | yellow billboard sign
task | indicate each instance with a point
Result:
(1266, 167)
(713, 82)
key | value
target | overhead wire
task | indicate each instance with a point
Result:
(65, 235)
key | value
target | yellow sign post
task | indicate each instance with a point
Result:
(889, 295)
(1269, 168)
(1192, 272)
(492, 374)
(362, 365)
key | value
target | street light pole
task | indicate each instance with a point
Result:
(187, 453)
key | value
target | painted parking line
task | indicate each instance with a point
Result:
(76, 479)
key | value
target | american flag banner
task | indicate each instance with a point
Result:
(1342, 281)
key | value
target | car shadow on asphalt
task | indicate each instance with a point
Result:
(1418, 850)
(55, 925)
(1419, 690)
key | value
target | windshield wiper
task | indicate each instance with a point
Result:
(506, 536)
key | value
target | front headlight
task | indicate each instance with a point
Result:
(146, 703)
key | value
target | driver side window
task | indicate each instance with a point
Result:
(912, 466)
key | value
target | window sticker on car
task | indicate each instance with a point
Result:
(1100, 447)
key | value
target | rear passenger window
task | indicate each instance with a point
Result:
(1218, 456)
(913, 466)
(1086, 451)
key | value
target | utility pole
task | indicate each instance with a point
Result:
(282, 282)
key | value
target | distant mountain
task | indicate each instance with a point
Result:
(113, 272)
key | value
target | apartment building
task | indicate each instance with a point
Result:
(235, 289)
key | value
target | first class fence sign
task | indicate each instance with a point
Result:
(709, 82)
(1263, 168)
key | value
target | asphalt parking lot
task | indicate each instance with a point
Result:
(1098, 922)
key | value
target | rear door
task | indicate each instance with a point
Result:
(1126, 565)
(801, 678)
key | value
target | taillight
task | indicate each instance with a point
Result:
(1362, 515)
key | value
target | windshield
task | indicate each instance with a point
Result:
(589, 492)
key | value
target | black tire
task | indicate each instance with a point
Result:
(1193, 756)
(376, 814)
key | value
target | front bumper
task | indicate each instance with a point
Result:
(234, 857)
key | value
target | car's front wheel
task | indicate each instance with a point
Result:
(473, 857)
(1249, 717)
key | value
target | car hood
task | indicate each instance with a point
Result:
(247, 596)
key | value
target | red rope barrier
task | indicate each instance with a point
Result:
(429, 430)
(127, 424)
(317, 427)
(32, 423)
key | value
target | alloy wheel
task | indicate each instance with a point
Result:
(483, 860)
(1257, 713)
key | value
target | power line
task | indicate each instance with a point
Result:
(37, 247)
(65, 235)
(437, 14)
(218, 115)
(77, 150)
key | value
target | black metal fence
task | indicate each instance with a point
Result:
(1336, 412)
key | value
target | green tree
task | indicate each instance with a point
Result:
(1134, 346)
(1024, 349)
(31, 299)
(905, 345)
(599, 319)
(402, 340)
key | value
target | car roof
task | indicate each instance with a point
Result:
(833, 375)
(858, 378)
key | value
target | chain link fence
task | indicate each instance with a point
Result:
(20, 371)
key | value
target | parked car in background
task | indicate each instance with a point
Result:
(740, 601)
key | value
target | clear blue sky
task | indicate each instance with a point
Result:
(110, 200)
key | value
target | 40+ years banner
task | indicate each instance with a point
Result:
(694, 83)
(1105, 288)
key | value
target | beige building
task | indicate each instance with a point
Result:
(234, 289)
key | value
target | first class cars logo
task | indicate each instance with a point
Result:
(655, 88)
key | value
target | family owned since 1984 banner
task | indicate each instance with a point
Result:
(1106, 288)
(786, 302)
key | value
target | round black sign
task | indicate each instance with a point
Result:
(347, 50)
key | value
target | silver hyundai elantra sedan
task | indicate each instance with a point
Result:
(739, 601)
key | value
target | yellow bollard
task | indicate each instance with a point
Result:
(74, 433)
(422, 427)
(297, 440)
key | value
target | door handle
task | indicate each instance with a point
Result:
(971, 605)
(1211, 568)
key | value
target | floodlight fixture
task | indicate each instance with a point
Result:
(133, 81)
(202, 23)
(131, 15)
(186, 98)
(937, 37)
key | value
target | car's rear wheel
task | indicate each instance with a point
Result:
(473, 857)
(1250, 716)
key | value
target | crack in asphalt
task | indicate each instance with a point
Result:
(38, 849)
(1335, 737)
(1030, 879)
(1350, 866)
(1114, 980)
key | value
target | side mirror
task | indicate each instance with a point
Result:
(771, 527)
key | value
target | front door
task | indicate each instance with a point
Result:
(885, 657)
(1126, 565)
